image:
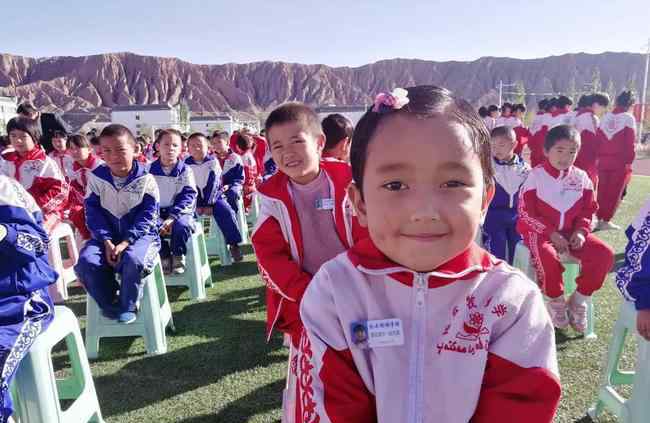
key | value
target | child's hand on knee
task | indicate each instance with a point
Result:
(559, 242)
(577, 240)
(119, 249)
(109, 252)
(643, 323)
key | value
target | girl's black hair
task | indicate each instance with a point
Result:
(425, 101)
(493, 108)
(244, 141)
(505, 106)
(584, 101)
(625, 99)
(336, 128)
(599, 98)
(564, 101)
(543, 104)
(552, 102)
(483, 112)
(79, 141)
(519, 107)
(25, 124)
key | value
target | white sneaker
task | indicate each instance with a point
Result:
(557, 309)
(166, 265)
(178, 264)
(604, 225)
(578, 305)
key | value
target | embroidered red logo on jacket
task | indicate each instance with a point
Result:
(308, 404)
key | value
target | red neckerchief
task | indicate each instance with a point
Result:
(37, 153)
(369, 259)
(618, 110)
(89, 164)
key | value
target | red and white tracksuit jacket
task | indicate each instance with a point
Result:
(78, 180)
(561, 201)
(523, 134)
(278, 245)
(617, 133)
(41, 177)
(538, 131)
(471, 341)
(64, 161)
(586, 122)
(250, 178)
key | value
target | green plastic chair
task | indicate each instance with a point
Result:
(636, 409)
(37, 392)
(197, 272)
(214, 242)
(571, 271)
(154, 316)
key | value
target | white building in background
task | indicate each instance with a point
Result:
(209, 123)
(353, 113)
(144, 119)
(8, 106)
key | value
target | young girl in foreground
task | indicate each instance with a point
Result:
(417, 323)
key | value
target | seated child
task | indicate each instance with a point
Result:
(245, 145)
(207, 174)
(25, 306)
(60, 153)
(633, 278)
(303, 221)
(417, 323)
(97, 148)
(35, 171)
(556, 206)
(122, 209)
(177, 200)
(500, 234)
(140, 146)
(522, 133)
(338, 136)
(84, 163)
(232, 179)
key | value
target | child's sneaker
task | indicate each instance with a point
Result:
(578, 305)
(166, 265)
(127, 317)
(178, 264)
(557, 309)
(604, 225)
(236, 254)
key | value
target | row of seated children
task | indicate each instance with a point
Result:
(421, 180)
(551, 206)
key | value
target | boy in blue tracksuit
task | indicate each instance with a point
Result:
(177, 200)
(122, 208)
(226, 205)
(26, 309)
(500, 234)
(633, 278)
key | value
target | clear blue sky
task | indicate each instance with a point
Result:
(334, 32)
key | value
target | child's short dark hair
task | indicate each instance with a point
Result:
(196, 135)
(599, 98)
(94, 140)
(542, 104)
(625, 99)
(59, 134)
(505, 106)
(117, 130)
(221, 134)
(519, 107)
(169, 132)
(561, 132)
(552, 102)
(424, 101)
(584, 101)
(25, 124)
(244, 141)
(493, 108)
(26, 108)
(294, 112)
(482, 112)
(336, 128)
(79, 141)
(564, 101)
(504, 132)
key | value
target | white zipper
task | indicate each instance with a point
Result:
(416, 374)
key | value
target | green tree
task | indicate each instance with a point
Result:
(520, 92)
(572, 90)
(596, 85)
(184, 115)
(611, 89)
(631, 83)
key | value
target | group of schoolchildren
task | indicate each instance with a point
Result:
(365, 240)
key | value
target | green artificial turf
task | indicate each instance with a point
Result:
(219, 367)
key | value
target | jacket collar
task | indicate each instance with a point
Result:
(367, 258)
(90, 162)
(515, 160)
(156, 168)
(36, 154)
(138, 170)
(619, 110)
(208, 157)
(557, 174)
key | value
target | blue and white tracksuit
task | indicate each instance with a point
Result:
(500, 234)
(25, 306)
(129, 213)
(226, 205)
(633, 278)
(177, 201)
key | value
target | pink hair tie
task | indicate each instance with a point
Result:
(395, 100)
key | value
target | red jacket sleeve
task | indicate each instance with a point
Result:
(51, 194)
(284, 278)
(529, 219)
(589, 207)
(627, 148)
(511, 393)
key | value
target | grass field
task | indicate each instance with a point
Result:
(219, 367)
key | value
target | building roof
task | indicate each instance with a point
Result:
(209, 118)
(141, 107)
(7, 98)
(339, 109)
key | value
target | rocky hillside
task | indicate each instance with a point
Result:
(85, 86)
